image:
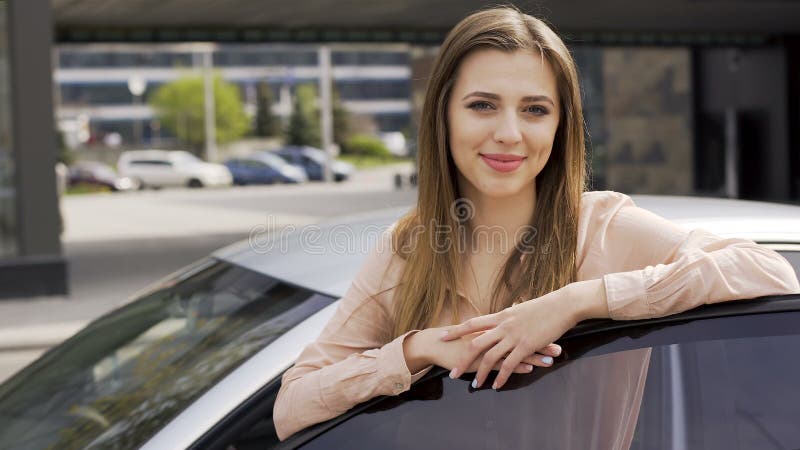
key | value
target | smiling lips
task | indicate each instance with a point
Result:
(502, 162)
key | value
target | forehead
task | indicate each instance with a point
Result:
(518, 72)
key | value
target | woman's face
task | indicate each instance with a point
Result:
(502, 115)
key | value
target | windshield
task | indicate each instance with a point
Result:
(315, 154)
(127, 374)
(272, 159)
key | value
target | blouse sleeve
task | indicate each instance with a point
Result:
(351, 361)
(651, 267)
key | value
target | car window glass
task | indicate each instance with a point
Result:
(152, 163)
(794, 259)
(125, 376)
(737, 389)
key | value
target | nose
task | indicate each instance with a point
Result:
(507, 130)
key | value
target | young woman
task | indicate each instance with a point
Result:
(505, 251)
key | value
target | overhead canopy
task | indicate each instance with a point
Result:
(414, 20)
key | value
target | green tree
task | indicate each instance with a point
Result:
(304, 128)
(180, 106)
(267, 123)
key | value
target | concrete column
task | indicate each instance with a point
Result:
(39, 268)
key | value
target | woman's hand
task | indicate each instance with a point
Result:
(520, 330)
(448, 354)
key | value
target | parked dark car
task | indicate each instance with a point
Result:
(313, 161)
(264, 168)
(196, 362)
(99, 174)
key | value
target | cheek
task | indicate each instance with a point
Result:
(542, 137)
(465, 133)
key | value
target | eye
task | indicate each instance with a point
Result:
(480, 106)
(536, 109)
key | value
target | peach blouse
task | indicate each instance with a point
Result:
(650, 268)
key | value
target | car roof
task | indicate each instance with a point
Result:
(265, 155)
(294, 148)
(759, 221)
(144, 153)
(153, 154)
(329, 271)
(312, 152)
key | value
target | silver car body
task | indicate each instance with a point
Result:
(329, 270)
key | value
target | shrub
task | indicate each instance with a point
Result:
(366, 145)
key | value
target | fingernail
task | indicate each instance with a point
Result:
(444, 334)
(453, 373)
(475, 383)
(494, 386)
(528, 367)
(547, 360)
(558, 350)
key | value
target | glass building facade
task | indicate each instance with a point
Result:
(92, 81)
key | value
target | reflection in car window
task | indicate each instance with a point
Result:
(711, 384)
(120, 380)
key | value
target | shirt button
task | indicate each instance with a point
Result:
(398, 385)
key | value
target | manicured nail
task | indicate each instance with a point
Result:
(558, 350)
(528, 367)
(475, 383)
(444, 334)
(547, 360)
(453, 373)
(494, 385)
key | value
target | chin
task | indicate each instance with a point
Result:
(500, 188)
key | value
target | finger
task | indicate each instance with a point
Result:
(470, 326)
(508, 366)
(476, 347)
(553, 350)
(538, 360)
(522, 367)
(489, 360)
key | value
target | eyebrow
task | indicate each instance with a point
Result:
(529, 98)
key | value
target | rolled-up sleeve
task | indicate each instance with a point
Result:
(351, 361)
(652, 268)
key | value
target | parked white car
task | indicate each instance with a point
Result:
(162, 168)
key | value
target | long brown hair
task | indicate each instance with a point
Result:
(433, 265)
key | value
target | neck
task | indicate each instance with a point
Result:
(502, 218)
